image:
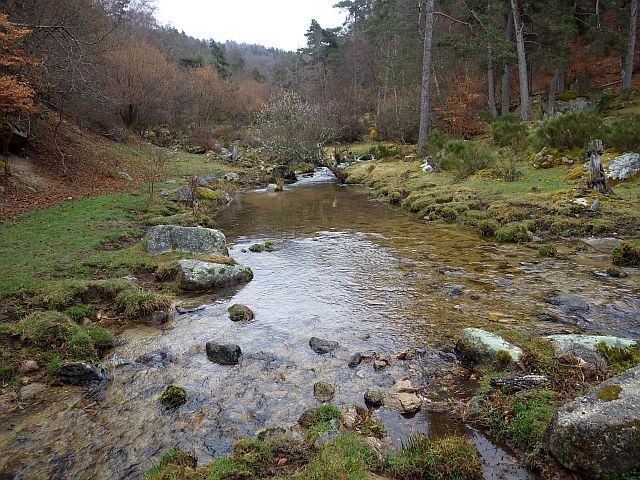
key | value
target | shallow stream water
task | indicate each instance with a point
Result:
(364, 274)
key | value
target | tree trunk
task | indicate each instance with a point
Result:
(631, 50)
(425, 109)
(506, 94)
(557, 74)
(525, 113)
(491, 93)
(599, 180)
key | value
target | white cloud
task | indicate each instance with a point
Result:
(273, 23)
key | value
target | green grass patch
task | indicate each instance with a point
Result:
(347, 457)
(627, 254)
(619, 359)
(173, 465)
(446, 458)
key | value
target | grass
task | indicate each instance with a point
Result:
(627, 254)
(619, 359)
(448, 458)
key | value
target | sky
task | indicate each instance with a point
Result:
(272, 23)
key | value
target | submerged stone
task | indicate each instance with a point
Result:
(321, 346)
(223, 354)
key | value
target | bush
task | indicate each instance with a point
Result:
(435, 142)
(569, 131)
(509, 131)
(627, 254)
(380, 150)
(488, 228)
(464, 158)
(624, 134)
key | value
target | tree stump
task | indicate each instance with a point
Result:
(598, 180)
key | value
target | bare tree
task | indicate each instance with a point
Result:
(631, 49)
(425, 107)
(525, 112)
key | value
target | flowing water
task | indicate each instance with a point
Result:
(364, 274)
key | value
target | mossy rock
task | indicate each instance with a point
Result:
(173, 396)
(240, 313)
(627, 254)
(547, 251)
(214, 196)
(515, 232)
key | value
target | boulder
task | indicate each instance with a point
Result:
(349, 416)
(231, 177)
(575, 105)
(402, 397)
(598, 435)
(322, 346)
(81, 373)
(585, 346)
(28, 366)
(373, 398)
(183, 194)
(196, 275)
(240, 313)
(324, 391)
(124, 176)
(168, 238)
(625, 166)
(284, 172)
(223, 354)
(478, 346)
(602, 244)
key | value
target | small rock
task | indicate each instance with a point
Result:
(373, 398)
(157, 358)
(232, 177)
(32, 390)
(282, 462)
(355, 360)
(322, 346)
(517, 384)
(402, 397)
(173, 396)
(349, 416)
(223, 354)
(240, 313)
(455, 292)
(379, 364)
(326, 437)
(323, 391)
(159, 317)
(408, 354)
(81, 373)
(196, 275)
(376, 447)
(28, 366)
(124, 176)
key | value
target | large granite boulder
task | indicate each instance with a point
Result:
(585, 346)
(197, 276)
(168, 238)
(480, 347)
(598, 435)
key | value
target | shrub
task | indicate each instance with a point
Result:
(435, 142)
(624, 134)
(380, 150)
(488, 228)
(439, 458)
(569, 131)
(464, 158)
(509, 131)
(627, 254)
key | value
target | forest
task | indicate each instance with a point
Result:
(409, 249)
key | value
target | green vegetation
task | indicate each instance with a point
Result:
(547, 251)
(627, 254)
(619, 359)
(464, 158)
(451, 457)
(609, 393)
(569, 131)
(173, 396)
(172, 465)
(623, 134)
(509, 131)
(346, 457)
(319, 421)
(268, 246)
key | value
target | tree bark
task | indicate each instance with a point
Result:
(599, 180)
(491, 91)
(631, 50)
(551, 104)
(506, 93)
(425, 108)
(525, 113)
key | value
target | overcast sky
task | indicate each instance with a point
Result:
(273, 23)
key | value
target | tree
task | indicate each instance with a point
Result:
(628, 65)
(525, 113)
(425, 95)
(220, 62)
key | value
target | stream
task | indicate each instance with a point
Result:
(345, 268)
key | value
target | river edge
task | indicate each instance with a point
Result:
(285, 193)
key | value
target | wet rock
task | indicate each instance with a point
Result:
(380, 363)
(455, 292)
(408, 354)
(240, 313)
(568, 303)
(196, 275)
(284, 172)
(503, 283)
(124, 176)
(321, 346)
(402, 397)
(188, 307)
(355, 360)
(585, 346)
(32, 390)
(159, 317)
(223, 354)
(326, 437)
(598, 435)
(81, 373)
(156, 358)
(173, 396)
(484, 348)
(323, 391)
(169, 238)
(373, 398)
(28, 366)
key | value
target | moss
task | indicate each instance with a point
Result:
(443, 458)
(619, 359)
(515, 232)
(627, 254)
(268, 246)
(215, 196)
(488, 228)
(504, 358)
(609, 393)
(547, 251)
(240, 313)
(173, 396)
